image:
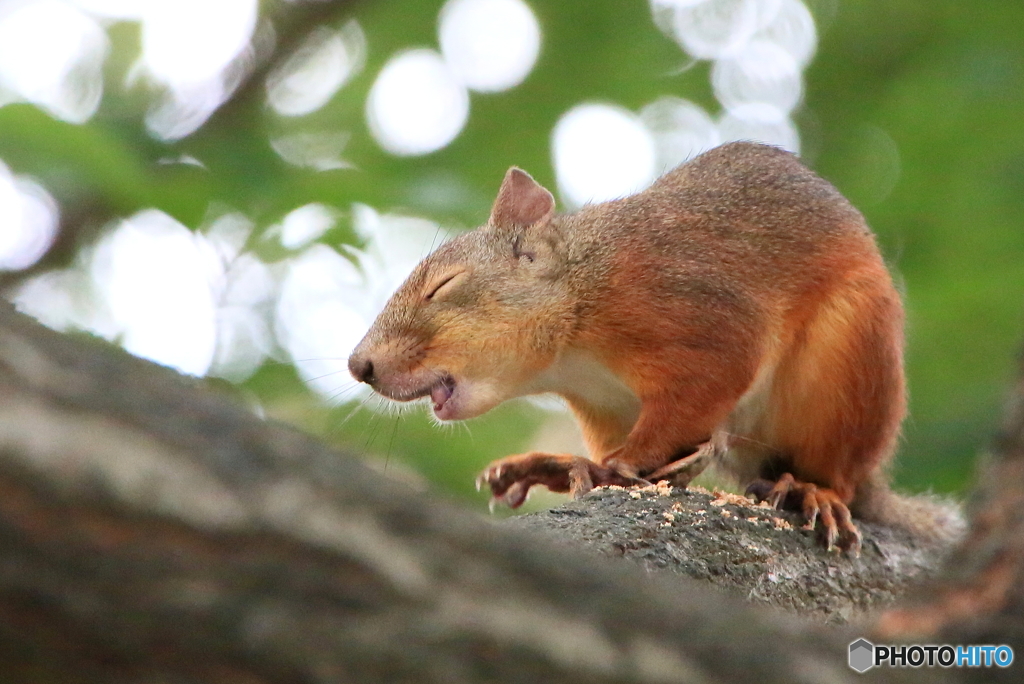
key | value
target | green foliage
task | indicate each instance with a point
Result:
(946, 81)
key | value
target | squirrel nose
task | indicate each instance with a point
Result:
(361, 369)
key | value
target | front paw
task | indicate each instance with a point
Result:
(511, 478)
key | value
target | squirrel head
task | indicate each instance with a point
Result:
(480, 317)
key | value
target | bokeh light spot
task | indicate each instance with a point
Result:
(715, 28)
(874, 166)
(793, 30)
(28, 221)
(491, 45)
(51, 54)
(681, 130)
(319, 151)
(191, 41)
(113, 9)
(187, 47)
(316, 322)
(761, 71)
(305, 224)
(602, 152)
(244, 337)
(323, 64)
(760, 123)
(154, 277)
(416, 105)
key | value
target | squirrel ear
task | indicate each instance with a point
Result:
(521, 201)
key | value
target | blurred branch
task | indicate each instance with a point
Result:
(151, 530)
(980, 598)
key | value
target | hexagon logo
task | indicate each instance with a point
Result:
(862, 655)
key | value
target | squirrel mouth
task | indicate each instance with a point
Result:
(441, 392)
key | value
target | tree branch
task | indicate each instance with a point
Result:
(749, 550)
(153, 530)
(980, 597)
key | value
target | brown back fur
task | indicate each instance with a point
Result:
(740, 292)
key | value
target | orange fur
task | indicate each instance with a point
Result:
(739, 295)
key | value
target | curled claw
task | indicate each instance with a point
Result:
(848, 529)
(828, 523)
(511, 478)
(810, 507)
(820, 506)
(777, 495)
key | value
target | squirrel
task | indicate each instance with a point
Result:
(737, 312)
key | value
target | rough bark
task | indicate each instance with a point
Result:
(745, 549)
(153, 531)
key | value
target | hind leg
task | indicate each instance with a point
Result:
(837, 404)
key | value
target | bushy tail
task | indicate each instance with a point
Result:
(926, 516)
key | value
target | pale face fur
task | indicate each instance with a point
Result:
(473, 325)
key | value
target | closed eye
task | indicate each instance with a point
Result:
(447, 280)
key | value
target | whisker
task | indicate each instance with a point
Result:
(358, 407)
(372, 428)
(292, 362)
(325, 375)
(391, 443)
(336, 396)
(431, 249)
(744, 438)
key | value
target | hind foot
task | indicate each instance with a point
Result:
(817, 504)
